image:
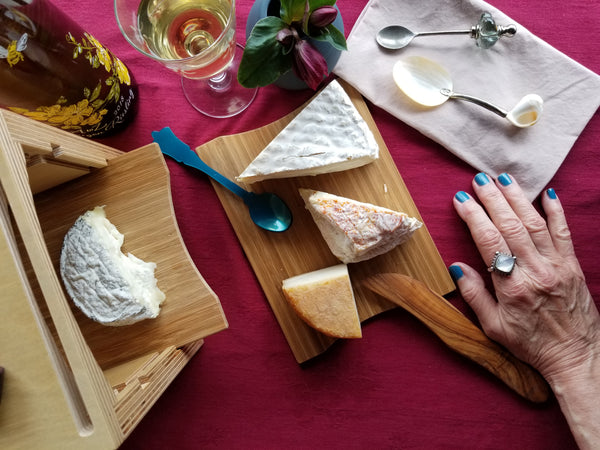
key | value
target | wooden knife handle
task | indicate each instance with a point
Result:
(459, 333)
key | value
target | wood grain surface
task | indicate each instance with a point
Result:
(459, 333)
(135, 190)
(277, 256)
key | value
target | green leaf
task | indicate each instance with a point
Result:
(314, 4)
(96, 93)
(292, 10)
(332, 35)
(264, 60)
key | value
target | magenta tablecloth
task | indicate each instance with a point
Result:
(398, 387)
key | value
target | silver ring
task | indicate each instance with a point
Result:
(503, 263)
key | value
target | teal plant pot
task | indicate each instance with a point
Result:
(289, 80)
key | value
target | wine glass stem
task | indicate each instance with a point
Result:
(221, 81)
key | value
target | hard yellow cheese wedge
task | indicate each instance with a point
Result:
(324, 299)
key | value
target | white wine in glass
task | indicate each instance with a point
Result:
(195, 38)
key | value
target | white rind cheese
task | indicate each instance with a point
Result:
(108, 286)
(329, 135)
(356, 231)
(324, 299)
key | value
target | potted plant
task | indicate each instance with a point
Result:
(290, 38)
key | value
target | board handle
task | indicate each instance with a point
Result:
(459, 333)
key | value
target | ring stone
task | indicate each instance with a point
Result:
(503, 263)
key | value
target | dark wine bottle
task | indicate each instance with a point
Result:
(52, 71)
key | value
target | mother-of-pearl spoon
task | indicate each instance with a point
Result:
(429, 84)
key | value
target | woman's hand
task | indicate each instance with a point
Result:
(543, 311)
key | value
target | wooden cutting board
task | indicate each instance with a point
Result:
(136, 192)
(277, 256)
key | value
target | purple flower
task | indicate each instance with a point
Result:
(287, 37)
(309, 65)
(323, 16)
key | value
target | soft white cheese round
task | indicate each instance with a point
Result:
(108, 286)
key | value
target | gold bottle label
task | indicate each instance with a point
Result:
(91, 102)
(90, 110)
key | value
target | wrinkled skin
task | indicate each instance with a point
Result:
(543, 312)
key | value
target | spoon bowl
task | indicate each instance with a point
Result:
(430, 84)
(527, 112)
(267, 210)
(422, 80)
(394, 37)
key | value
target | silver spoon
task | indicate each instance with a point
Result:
(486, 33)
(430, 84)
(267, 210)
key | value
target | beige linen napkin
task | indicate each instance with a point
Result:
(501, 75)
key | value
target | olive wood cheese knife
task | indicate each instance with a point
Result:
(459, 333)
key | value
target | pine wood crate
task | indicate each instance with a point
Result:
(70, 382)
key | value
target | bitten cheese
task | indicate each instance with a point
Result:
(324, 299)
(329, 135)
(356, 231)
(108, 286)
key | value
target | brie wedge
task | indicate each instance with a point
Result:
(329, 135)
(356, 231)
(108, 286)
(324, 299)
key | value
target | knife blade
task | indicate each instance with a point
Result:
(459, 333)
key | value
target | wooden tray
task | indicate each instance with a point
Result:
(56, 394)
(277, 256)
(135, 190)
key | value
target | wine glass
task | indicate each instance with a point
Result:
(195, 38)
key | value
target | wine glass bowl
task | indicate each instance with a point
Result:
(195, 38)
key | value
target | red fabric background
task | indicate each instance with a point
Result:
(399, 386)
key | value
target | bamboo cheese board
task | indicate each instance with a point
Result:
(136, 194)
(277, 256)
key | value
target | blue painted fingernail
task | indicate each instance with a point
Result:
(481, 179)
(504, 179)
(551, 193)
(455, 272)
(462, 196)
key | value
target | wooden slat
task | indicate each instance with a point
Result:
(63, 145)
(144, 387)
(88, 380)
(275, 257)
(45, 173)
(34, 374)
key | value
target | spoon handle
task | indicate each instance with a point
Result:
(487, 105)
(172, 146)
(432, 33)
